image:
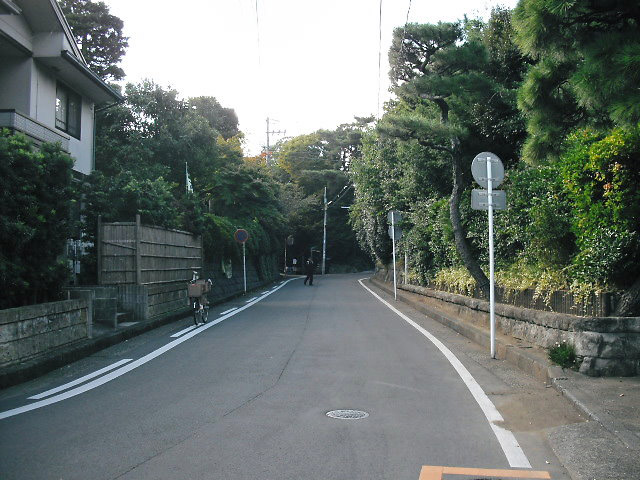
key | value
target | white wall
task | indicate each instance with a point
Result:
(82, 150)
(44, 110)
(15, 74)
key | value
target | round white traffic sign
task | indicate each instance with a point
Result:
(479, 169)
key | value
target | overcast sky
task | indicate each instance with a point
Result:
(305, 64)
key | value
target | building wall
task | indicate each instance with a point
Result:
(82, 150)
(15, 78)
(17, 28)
(44, 101)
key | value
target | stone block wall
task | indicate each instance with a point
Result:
(27, 332)
(606, 346)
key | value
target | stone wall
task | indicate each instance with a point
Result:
(606, 346)
(27, 332)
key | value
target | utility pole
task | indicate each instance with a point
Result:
(272, 132)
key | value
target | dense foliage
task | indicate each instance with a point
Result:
(35, 203)
(99, 35)
(554, 94)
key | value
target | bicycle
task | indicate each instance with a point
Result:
(197, 290)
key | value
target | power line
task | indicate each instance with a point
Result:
(379, 56)
(258, 32)
(341, 193)
(404, 31)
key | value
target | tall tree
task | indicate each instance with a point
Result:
(437, 64)
(99, 35)
(587, 70)
(223, 120)
(456, 83)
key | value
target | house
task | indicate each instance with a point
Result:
(47, 92)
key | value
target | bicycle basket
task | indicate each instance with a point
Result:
(195, 289)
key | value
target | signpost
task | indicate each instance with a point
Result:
(488, 171)
(395, 233)
(241, 236)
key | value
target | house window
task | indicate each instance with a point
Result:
(68, 108)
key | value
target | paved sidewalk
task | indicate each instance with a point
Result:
(605, 448)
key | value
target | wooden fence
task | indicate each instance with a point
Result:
(133, 254)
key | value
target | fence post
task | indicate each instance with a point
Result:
(138, 254)
(99, 250)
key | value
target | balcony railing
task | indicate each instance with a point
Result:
(33, 129)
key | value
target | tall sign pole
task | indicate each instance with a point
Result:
(324, 232)
(492, 314)
(395, 233)
(241, 236)
(393, 240)
(487, 163)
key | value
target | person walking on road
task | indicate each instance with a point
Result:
(308, 269)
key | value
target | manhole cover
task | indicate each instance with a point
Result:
(347, 414)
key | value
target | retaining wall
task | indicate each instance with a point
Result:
(606, 346)
(31, 331)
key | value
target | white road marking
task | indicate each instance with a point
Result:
(515, 455)
(66, 386)
(131, 366)
(251, 300)
(227, 311)
(182, 332)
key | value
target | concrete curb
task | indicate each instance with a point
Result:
(522, 358)
(49, 361)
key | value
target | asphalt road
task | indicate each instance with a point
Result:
(247, 398)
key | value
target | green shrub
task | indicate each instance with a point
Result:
(544, 280)
(602, 180)
(563, 354)
(36, 197)
(455, 280)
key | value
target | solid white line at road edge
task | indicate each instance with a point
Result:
(131, 366)
(515, 455)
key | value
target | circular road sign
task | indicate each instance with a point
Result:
(241, 235)
(479, 169)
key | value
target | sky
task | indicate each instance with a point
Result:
(306, 65)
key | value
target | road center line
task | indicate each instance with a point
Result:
(515, 455)
(131, 366)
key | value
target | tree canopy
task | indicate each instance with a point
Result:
(99, 35)
(586, 71)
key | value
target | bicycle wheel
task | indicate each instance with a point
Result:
(205, 314)
(196, 312)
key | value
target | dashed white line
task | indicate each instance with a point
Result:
(131, 366)
(182, 332)
(251, 300)
(514, 453)
(80, 380)
(227, 311)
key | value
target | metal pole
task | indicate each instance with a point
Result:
(285, 255)
(268, 160)
(393, 240)
(492, 318)
(244, 269)
(324, 232)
